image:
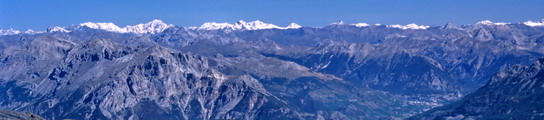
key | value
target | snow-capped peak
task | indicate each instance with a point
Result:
(57, 29)
(293, 26)
(152, 27)
(361, 24)
(104, 26)
(243, 25)
(488, 22)
(534, 24)
(12, 31)
(215, 26)
(409, 26)
(30, 31)
(255, 25)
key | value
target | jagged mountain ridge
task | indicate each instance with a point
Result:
(107, 80)
(446, 50)
(243, 25)
(152, 27)
(468, 60)
(133, 77)
(514, 93)
(454, 60)
(156, 26)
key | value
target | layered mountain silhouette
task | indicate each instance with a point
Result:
(340, 71)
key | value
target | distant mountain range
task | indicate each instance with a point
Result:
(257, 70)
(156, 26)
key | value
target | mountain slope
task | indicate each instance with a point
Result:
(11, 115)
(102, 79)
(515, 93)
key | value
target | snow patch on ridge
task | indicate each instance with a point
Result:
(361, 24)
(12, 31)
(534, 24)
(57, 29)
(30, 31)
(243, 25)
(215, 26)
(255, 25)
(488, 22)
(154, 26)
(409, 26)
(293, 26)
(103, 26)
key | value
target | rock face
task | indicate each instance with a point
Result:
(11, 115)
(515, 93)
(101, 79)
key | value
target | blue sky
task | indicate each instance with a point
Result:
(40, 14)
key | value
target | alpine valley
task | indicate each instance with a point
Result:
(257, 70)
